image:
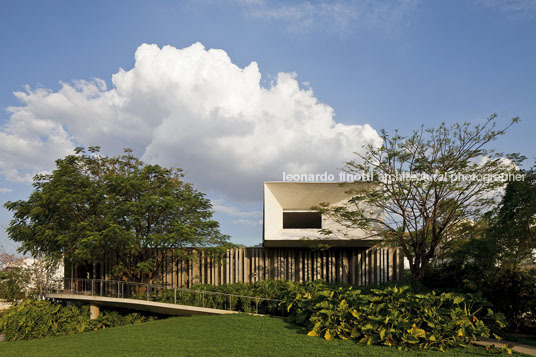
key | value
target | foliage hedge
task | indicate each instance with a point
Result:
(511, 292)
(394, 316)
(33, 319)
(246, 299)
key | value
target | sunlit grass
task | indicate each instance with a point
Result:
(229, 335)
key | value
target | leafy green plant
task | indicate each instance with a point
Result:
(393, 316)
(513, 293)
(510, 292)
(33, 319)
(250, 298)
(12, 283)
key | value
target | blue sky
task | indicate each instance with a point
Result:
(330, 74)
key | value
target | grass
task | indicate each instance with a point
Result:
(227, 335)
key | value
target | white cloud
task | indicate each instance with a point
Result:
(192, 108)
(233, 211)
(511, 5)
(512, 8)
(248, 222)
(30, 140)
(5, 190)
(332, 16)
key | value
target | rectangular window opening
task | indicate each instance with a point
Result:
(302, 220)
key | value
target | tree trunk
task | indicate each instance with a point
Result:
(418, 267)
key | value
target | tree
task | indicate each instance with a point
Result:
(513, 227)
(425, 185)
(13, 277)
(21, 277)
(501, 239)
(92, 207)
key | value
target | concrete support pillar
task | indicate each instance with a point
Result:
(93, 312)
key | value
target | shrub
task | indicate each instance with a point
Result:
(246, 297)
(510, 292)
(12, 284)
(393, 316)
(33, 319)
(514, 294)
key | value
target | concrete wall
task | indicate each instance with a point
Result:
(4, 305)
(303, 196)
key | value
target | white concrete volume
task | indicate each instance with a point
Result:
(291, 221)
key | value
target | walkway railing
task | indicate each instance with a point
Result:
(163, 293)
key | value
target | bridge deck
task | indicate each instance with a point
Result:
(143, 305)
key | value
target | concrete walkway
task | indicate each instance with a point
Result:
(518, 347)
(143, 305)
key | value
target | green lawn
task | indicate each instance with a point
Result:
(230, 335)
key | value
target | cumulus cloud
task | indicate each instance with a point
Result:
(30, 141)
(191, 108)
(5, 190)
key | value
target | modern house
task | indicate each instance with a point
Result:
(290, 221)
(293, 248)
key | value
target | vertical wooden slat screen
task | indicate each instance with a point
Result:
(357, 266)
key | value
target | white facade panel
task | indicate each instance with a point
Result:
(280, 197)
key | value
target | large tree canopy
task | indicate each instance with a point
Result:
(93, 206)
(513, 227)
(426, 184)
(503, 238)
